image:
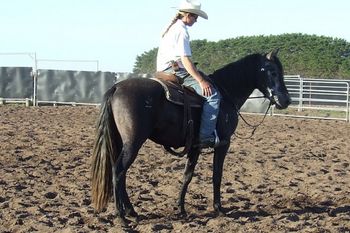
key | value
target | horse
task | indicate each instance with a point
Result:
(136, 109)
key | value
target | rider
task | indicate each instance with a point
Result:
(174, 56)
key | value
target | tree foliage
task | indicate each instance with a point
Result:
(310, 56)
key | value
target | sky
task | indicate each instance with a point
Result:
(108, 35)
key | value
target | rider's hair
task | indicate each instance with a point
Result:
(179, 15)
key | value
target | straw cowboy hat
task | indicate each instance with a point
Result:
(192, 6)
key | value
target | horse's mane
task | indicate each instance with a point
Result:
(237, 76)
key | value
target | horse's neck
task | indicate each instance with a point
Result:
(239, 88)
(241, 99)
(238, 80)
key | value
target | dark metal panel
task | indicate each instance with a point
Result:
(73, 86)
(16, 82)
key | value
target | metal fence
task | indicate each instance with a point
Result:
(317, 98)
(311, 98)
(53, 87)
(72, 87)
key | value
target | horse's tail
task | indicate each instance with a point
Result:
(105, 153)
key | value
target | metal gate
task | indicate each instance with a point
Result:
(318, 98)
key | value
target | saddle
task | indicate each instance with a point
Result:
(177, 93)
(185, 96)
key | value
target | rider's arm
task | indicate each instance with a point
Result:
(192, 70)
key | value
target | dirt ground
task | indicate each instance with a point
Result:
(292, 176)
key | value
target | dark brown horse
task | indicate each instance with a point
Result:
(135, 110)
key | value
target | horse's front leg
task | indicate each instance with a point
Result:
(188, 174)
(219, 158)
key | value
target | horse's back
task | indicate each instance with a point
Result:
(136, 91)
(138, 85)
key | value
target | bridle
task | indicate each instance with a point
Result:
(270, 73)
(270, 93)
(267, 94)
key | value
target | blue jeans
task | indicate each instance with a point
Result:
(210, 107)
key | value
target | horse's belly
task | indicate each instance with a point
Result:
(172, 131)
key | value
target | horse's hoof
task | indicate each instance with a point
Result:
(180, 211)
(132, 214)
(124, 222)
(134, 218)
(181, 214)
(220, 212)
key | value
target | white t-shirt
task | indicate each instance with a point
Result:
(174, 44)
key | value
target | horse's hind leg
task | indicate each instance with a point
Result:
(122, 201)
(117, 201)
(129, 209)
(188, 174)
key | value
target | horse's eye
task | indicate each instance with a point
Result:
(274, 74)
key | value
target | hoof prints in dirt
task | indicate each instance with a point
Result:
(293, 175)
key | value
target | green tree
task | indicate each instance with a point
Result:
(307, 55)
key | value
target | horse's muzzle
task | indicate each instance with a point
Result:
(281, 101)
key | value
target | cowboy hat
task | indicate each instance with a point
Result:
(192, 6)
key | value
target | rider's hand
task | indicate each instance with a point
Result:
(206, 87)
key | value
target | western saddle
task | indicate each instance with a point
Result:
(185, 96)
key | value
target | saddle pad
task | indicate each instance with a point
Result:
(175, 93)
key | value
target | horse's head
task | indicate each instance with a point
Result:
(271, 81)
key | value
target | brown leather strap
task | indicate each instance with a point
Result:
(187, 129)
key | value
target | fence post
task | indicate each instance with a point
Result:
(347, 103)
(301, 88)
(35, 78)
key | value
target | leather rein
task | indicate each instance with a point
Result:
(254, 127)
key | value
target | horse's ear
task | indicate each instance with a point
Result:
(272, 54)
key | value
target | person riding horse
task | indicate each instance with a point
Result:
(174, 56)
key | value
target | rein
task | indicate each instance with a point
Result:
(254, 127)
